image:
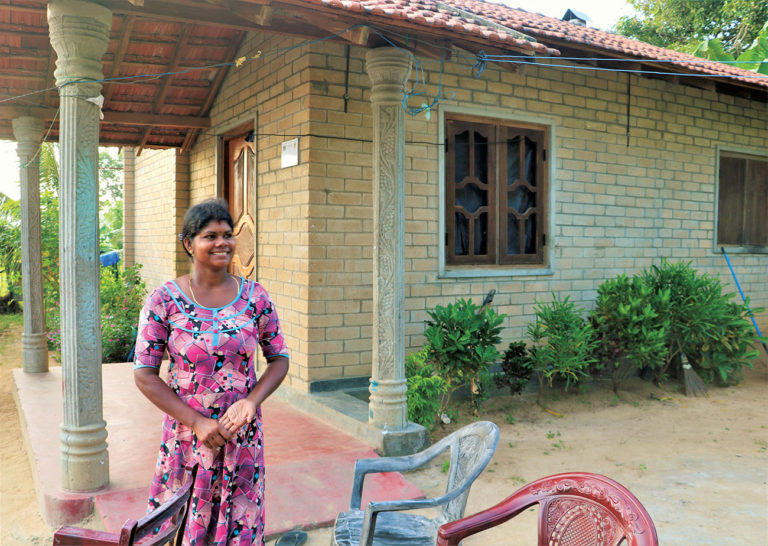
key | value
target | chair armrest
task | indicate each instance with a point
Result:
(77, 536)
(453, 532)
(372, 511)
(386, 464)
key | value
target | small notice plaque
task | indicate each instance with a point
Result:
(290, 155)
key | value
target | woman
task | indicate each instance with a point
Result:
(211, 323)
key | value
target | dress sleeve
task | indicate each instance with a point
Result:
(270, 334)
(152, 333)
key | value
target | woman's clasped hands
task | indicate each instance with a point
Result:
(237, 415)
(214, 433)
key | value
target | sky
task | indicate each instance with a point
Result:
(603, 14)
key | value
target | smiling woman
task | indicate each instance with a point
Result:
(212, 325)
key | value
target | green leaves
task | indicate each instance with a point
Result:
(754, 58)
(563, 341)
(677, 24)
(705, 324)
(631, 322)
(461, 340)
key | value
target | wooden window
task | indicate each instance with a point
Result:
(742, 210)
(496, 192)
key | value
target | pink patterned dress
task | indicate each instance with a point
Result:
(212, 364)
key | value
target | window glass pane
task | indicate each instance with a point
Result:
(756, 203)
(530, 234)
(520, 199)
(481, 157)
(530, 161)
(461, 245)
(471, 198)
(513, 235)
(461, 165)
(513, 160)
(481, 234)
(730, 212)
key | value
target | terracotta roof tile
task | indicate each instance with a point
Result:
(538, 27)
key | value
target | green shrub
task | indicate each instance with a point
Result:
(631, 320)
(731, 347)
(425, 389)
(10, 254)
(461, 340)
(713, 332)
(516, 368)
(563, 342)
(122, 297)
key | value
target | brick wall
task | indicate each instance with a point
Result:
(158, 198)
(618, 208)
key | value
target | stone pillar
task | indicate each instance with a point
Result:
(79, 32)
(34, 352)
(388, 69)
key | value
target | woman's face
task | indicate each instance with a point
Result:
(213, 246)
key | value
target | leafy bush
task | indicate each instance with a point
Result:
(461, 340)
(722, 360)
(563, 342)
(516, 368)
(10, 253)
(631, 321)
(425, 389)
(713, 332)
(122, 297)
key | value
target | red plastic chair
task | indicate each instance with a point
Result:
(575, 509)
(173, 511)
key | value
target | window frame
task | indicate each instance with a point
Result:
(733, 248)
(501, 267)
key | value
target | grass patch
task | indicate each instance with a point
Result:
(10, 320)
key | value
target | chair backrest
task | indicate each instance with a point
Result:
(575, 509)
(166, 520)
(471, 448)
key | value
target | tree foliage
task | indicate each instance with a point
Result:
(755, 58)
(683, 24)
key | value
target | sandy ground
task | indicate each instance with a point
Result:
(699, 465)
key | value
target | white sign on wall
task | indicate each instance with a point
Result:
(290, 155)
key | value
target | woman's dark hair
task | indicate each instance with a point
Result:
(200, 215)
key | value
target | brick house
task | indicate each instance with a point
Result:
(551, 157)
(627, 173)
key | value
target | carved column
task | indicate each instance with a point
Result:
(79, 32)
(388, 69)
(34, 352)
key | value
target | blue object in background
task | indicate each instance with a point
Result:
(109, 258)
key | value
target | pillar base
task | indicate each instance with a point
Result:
(412, 439)
(34, 353)
(84, 457)
(388, 407)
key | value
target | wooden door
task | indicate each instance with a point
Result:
(241, 196)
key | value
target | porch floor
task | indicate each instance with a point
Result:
(309, 463)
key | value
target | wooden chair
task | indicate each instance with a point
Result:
(174, 512)
(575, 509)
(471, 448)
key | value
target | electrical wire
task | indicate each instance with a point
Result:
(477, 63)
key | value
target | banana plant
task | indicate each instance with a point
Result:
(754, 58)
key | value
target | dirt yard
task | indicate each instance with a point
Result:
(699, 465)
